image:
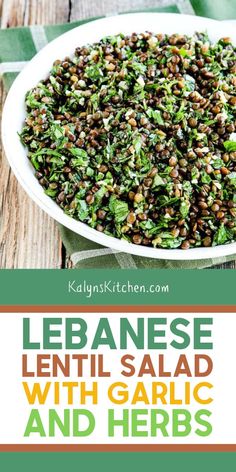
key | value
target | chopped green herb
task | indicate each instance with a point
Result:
(230, 146)
(135, 136)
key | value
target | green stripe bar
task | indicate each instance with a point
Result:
(216, 9)
(16, 44)
(168, 9)
(8, 79)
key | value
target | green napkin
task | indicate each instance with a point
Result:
(18, 46)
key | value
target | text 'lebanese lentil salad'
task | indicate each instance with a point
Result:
(135, 136)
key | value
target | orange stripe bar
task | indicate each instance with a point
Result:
(118, 448)
(117, 309)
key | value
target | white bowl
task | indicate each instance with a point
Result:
(39, 67)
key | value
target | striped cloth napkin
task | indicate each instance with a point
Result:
(19, 45)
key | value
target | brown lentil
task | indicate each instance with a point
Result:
(147, 173)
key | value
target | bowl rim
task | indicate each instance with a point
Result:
(45, 202)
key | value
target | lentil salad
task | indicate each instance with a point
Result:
(135, 136)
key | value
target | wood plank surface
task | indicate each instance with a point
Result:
(85, 9)
(28, 237)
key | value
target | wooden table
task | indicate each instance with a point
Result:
(29, 238)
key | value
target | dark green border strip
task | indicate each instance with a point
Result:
(118, 462)
(51, 287)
